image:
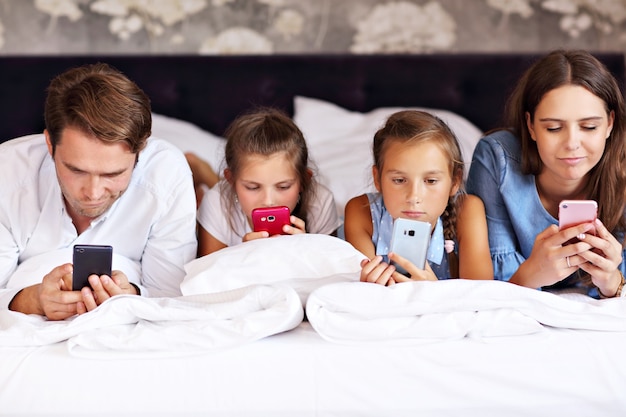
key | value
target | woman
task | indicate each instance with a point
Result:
(566, 143)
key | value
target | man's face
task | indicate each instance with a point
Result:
(92, 174)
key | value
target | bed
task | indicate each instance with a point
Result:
(291, 332)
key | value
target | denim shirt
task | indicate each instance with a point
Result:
(515, 215)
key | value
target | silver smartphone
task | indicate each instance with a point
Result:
(89, 260)
(410, 240)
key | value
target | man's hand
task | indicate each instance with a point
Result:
(52, 298)
(104, 287)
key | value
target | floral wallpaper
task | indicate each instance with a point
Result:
(308, 26)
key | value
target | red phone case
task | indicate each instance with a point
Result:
(270, 219)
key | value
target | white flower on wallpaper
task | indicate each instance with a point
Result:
(403, 27)
(578, 16)
(60, 8)
(317, 26)
(581, 15)
(125, 26)
(509, 7)
(574, 25)
(130, 16)
(560, 6)
(275, 3)
(289, 23)
(237, 40)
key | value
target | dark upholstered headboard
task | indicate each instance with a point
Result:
(210, 91)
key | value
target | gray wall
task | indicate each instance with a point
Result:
(308, 26)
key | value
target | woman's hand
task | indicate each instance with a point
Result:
(552, 259)
(602, 260)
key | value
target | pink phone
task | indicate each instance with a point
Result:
(575, 212)
(270, 219)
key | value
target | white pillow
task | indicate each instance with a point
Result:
(340, 142)
(190, 138)
(303, 262)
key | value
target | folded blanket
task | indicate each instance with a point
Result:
(424, 312)
(130, 325)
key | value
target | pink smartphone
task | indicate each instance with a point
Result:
(270, 219)
(575, 212)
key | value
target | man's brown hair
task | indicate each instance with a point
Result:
(101, 102)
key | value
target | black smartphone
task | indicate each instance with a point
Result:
(89, 260)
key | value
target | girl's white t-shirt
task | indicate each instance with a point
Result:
(322, 218)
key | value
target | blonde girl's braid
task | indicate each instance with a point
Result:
(448, 218)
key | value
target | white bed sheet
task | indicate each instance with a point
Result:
(297, 373)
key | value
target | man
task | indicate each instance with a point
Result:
(93, 177)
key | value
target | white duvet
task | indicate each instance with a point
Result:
(130, 325)
(423, 312)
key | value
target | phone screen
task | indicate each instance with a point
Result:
(89, 260)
